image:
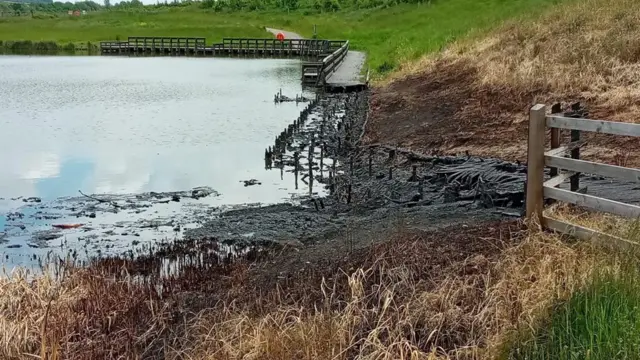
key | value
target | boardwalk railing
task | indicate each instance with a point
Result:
(299, 46)
(327, 53)
(317, 72)
(538, 158)
(228, 46)
(166, 42)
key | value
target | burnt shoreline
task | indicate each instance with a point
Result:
(368, 185)
(357, 193)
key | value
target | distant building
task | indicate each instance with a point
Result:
(70, 12)
(76, 13)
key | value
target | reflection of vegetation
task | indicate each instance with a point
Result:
(45, 47)
(287, 71)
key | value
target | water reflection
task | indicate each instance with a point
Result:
(127, 125)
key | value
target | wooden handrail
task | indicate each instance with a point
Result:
(330, 62)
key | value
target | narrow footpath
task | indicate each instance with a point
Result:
(347, 74)
(287, 34)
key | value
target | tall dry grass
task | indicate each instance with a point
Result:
(625, 228)
(79, 314)
(585, 49)
(393, 311)
(414, 297)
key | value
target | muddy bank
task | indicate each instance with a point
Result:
(369, 186)
(376, 187)
(356, 193)
(449, 108)
(87, 226)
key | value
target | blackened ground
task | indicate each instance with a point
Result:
(373, 189)
(448, 109)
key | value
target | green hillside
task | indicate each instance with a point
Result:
(390, 35)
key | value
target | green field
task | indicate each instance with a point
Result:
(389, 35)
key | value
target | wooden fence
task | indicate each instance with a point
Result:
(538, 158)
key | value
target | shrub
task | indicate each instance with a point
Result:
(70, 47)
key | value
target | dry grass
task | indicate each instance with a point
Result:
(621, 227)
(583, 50)
(393, 311)
(84, 314)
(586, 49)
(414, 297)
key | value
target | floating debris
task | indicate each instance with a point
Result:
(279, 98)
(251, 182)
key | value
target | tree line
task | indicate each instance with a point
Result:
(25, 7)
(314, 5)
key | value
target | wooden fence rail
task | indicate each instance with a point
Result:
(538, 158)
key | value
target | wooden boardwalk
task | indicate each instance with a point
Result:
(347, 75)
(328, 63)
(229, 46)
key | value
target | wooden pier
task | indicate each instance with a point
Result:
(321, 57)
(229, 46)
(316, 72)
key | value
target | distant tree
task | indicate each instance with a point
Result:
(4, 9)
(17, 8)
(290, 4)
(107, 3)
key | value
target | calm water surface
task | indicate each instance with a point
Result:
(116, 125)
(129, 125)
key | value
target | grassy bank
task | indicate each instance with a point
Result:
(579, 51)
(600, 321)
(474, 293)
(47, 47)
(390, 35)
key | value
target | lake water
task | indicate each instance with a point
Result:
(128, 125)
(116, 125)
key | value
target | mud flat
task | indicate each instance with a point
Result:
(369, 187)
(356, 194)
(372, 188)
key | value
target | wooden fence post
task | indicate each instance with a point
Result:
(535, 162)
(555, 137)
(575, 154)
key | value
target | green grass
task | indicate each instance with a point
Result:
(600, 322)
(390, 35)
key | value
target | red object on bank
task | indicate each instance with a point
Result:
(280, 36)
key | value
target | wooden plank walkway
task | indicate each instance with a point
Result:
(229, 46)
(328, 63)
(348, 74)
